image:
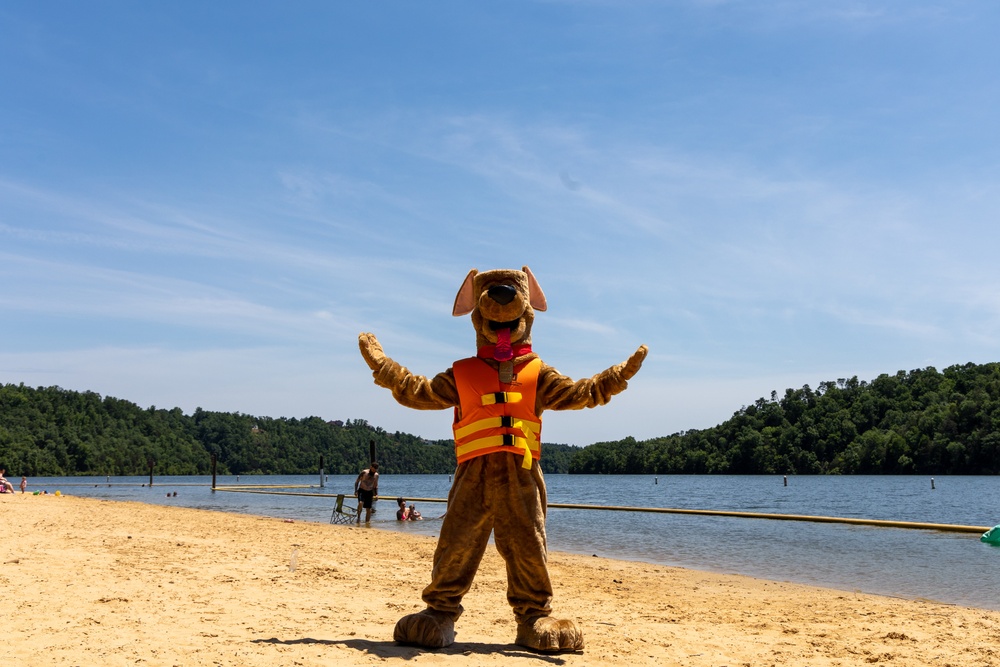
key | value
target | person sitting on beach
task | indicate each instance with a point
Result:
(403, 513)
(5, 486)
(413, 514)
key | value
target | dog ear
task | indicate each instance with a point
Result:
(536, 297)
(465, 300)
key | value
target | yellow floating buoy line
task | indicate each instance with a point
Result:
(251, 487)
(139, 484)
(281, 493)
(878, 523)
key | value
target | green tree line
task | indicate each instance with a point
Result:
(917, 422)
(50, 431)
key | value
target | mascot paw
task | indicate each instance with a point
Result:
(634, 363)
(549, 635)
(371, 350)
(429, 628)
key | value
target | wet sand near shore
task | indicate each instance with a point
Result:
(94, 582)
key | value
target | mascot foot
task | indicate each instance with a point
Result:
(429, 628)
(549, 635)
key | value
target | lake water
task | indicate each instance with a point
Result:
(918, 564)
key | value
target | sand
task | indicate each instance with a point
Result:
(93, 582)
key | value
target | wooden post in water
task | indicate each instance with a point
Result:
(213, 473)
(786, 480)
(932, 483)
(151, 464)
(321, 482)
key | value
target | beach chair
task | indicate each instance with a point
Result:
(342, 514)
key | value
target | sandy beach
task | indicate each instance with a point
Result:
(94, 582)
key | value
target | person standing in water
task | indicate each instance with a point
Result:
(366, 490)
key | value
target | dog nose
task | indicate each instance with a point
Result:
(502, 294)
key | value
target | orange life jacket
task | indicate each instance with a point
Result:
(493, 416)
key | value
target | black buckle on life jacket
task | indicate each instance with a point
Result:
(500, 397)
(508, 440)
(506, 421)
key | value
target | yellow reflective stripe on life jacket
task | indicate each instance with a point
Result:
(501, 397)
(530, 429)
(492, 441)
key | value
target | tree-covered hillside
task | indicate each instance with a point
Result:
(920, 421)
(53, 431)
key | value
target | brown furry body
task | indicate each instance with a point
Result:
(493, 492)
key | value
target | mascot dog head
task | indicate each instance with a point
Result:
(503, 304)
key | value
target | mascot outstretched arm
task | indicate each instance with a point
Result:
(498, 397)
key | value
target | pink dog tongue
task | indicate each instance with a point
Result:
(503, 351)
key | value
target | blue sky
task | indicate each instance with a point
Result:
(203, 204)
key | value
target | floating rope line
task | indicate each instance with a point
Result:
(106, 484)
(234, 487)
(284, 493)
(944, 527)
(878, 523)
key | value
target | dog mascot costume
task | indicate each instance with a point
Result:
(498, 397)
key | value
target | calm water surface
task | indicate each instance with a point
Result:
(946, 567)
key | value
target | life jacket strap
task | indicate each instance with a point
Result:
(501, 397)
